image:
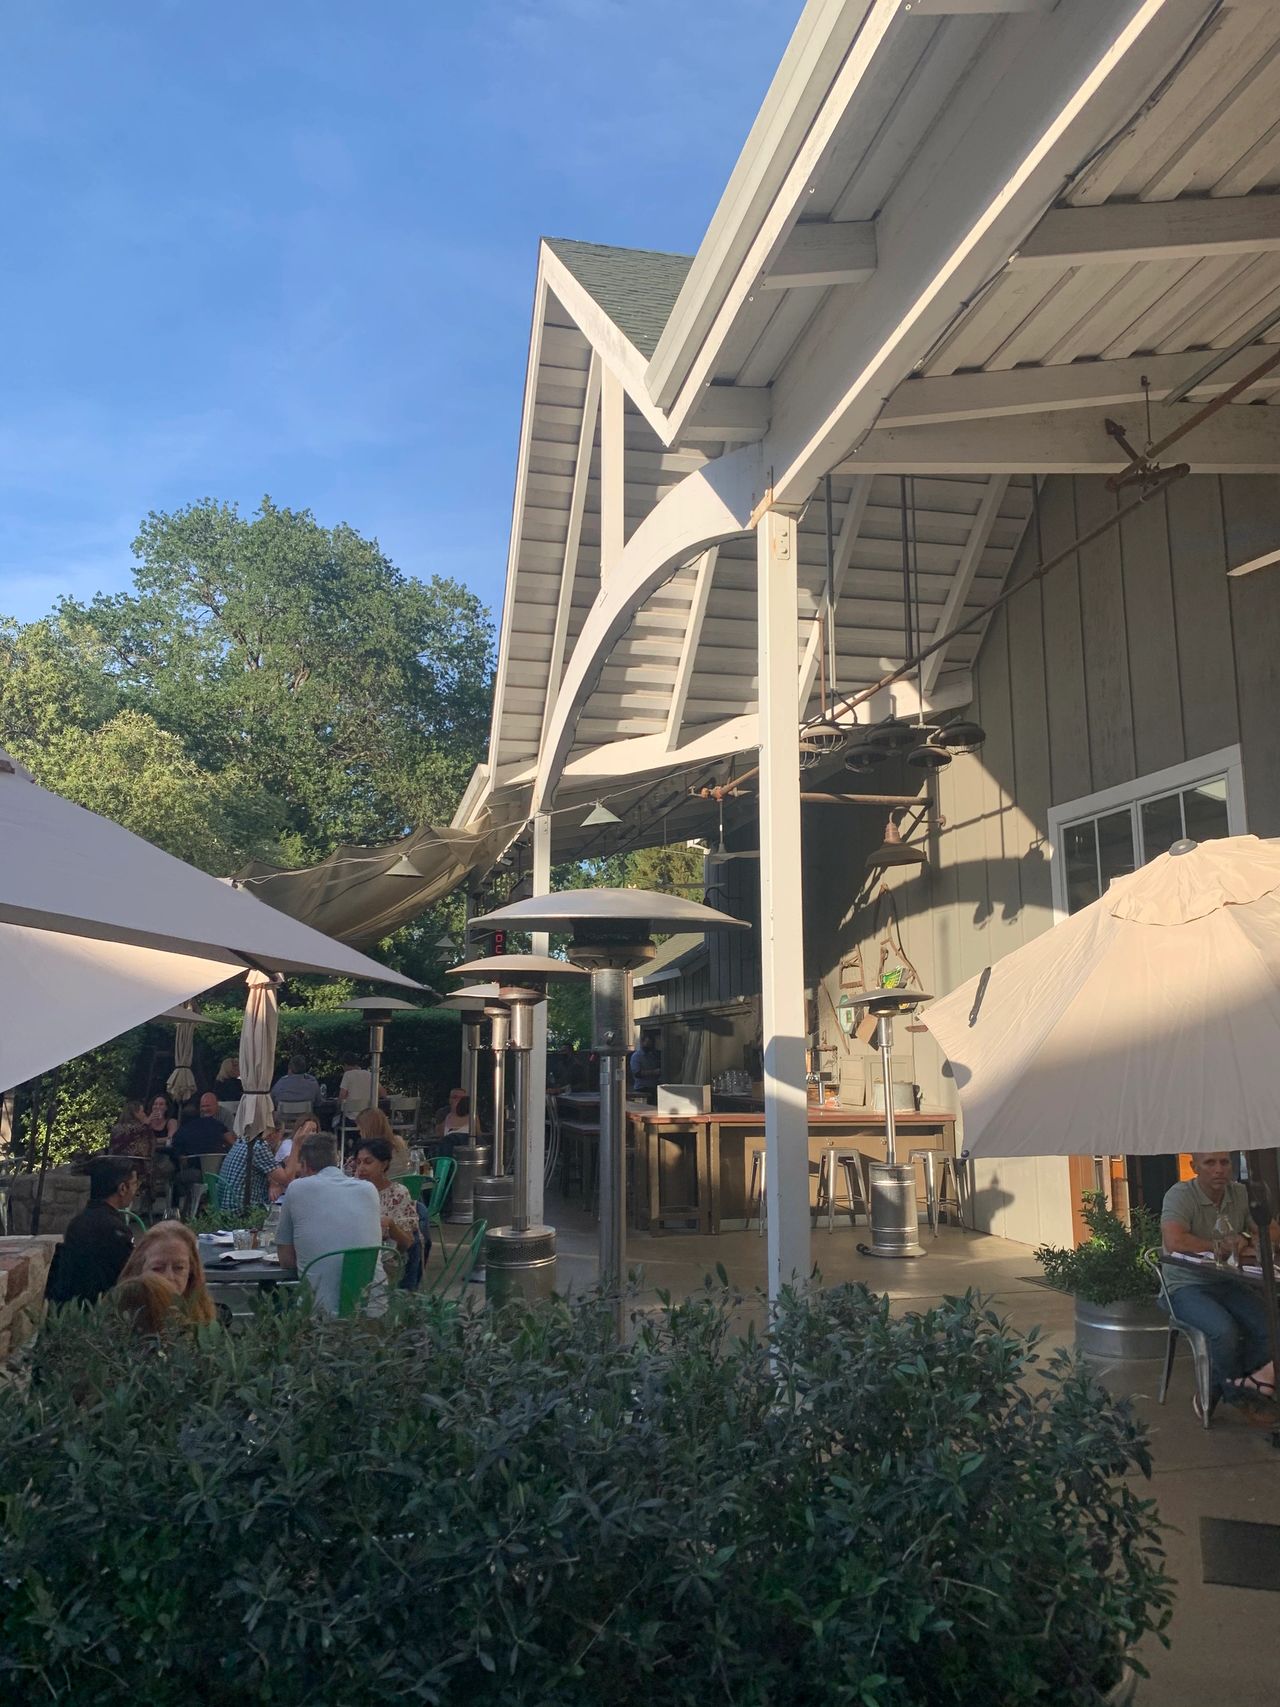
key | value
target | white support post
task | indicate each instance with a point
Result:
(786, 1125)
(536, 1078)
(612, 474)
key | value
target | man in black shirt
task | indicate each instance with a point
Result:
(96, 1246)
(203, 1134)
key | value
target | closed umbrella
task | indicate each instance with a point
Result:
(181, 1083)
(1146, 1024)
(255, 1112)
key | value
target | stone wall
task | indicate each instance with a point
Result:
(24, 1268)
(66, 1193)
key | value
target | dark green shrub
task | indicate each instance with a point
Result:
(887, 1512)
(1110, 1265)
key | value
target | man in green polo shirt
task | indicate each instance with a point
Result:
(1228, 1311)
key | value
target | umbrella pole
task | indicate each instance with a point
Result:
(49, 1112)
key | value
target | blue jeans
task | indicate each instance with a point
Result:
(1230, 1315)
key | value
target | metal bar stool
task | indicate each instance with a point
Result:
(854, 1188)
(857, 1181)
(755, 1191)
(943, 1184)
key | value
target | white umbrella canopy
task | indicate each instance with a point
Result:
(61, 995)
(255, 1111)
(1146, 1024)
(66, 869)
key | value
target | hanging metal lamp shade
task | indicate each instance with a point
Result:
(962, 737)
(824, 737)
(600, 814)
(928, 757)
(901, 737)
(867, 756)
(894, 851)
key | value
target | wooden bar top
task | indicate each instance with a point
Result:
(871, 1118)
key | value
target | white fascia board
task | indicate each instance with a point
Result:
(610, 343)
(1239, 439)
(795, 98)
(1051, 89)
(474, 798)
(940, 398)
(1121, 233)
(766, 229)
(517, 507)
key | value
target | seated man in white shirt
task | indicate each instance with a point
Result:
(355, 1093)
(325, 1210)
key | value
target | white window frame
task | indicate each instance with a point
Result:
(1224, 762)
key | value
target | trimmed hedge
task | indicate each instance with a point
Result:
(433, 1507)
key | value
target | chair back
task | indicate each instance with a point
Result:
(404, 1114)
(1152, 1261)
(359, 1266)
(443, 1171)
(212, 1163)
(412, 1183)
(291, 1114)
(457, 1270)
(213, 1189)
(135, 1218)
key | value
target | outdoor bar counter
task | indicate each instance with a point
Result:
(693, 1171)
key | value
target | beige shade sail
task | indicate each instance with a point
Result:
(360, 895)
(1146, 1024)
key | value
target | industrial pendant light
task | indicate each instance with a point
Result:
(600, 814)
(928, 757)
(866, 757)
(403, 867)
(894, 851)
(962, 737)
(824, 737)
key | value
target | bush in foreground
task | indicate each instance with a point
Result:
(887, 1512)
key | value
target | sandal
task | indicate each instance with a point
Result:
(1248, 1391)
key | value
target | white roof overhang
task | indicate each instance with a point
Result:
(945, 218)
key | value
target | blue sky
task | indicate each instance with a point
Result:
(290, 248)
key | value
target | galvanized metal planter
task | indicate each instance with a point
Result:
(1132, 1328)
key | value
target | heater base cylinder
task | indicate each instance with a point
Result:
(473, 1162)
(895, 1224)
(493, 1197)
(519, 1265)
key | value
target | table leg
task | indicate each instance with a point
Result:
(654, 1148)
(713, 1171)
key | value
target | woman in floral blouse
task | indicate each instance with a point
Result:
(399, 1212)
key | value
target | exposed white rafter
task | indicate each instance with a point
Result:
(825, 252)
(850, 525)
(730, 414)
(938, 398)
(689, 649)
(1125, 232)
(1240, 439)
(613, 473)
(970, 558)
(573, 538)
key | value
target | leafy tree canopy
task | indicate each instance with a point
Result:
(269, 687)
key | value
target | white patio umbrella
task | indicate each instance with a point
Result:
(100, 931)
(255, 1112)
(1146, 1024)
(181, 1083)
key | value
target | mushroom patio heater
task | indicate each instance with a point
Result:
(520, 1260)
(378, 1011)
(471, 1158)
(611, 932)
(895, 1230)
(491, 1190)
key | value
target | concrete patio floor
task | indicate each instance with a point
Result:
(1220, 1637)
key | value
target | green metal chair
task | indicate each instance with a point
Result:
(412, 1183)
(212, 1189)
(457, 1269)
(132, 1215)
(359, 1266)
(443, 1171)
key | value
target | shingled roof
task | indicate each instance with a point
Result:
(636, 288)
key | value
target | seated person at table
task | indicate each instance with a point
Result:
(373, 1123)
(399, 1211)
(442, 1114)
(160, 1123)
(297, 1085)
(169, 1254)
(237, 1160)
(227, 1086)
(646, 1063)
(355, 1092)
(148, 1306)
(1222, 1305)
(96, 1246)
(323, 1211)
(458, 1118)
(286, 1168)
(203, 1131)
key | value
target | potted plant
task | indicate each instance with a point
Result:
(1117, 1315)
